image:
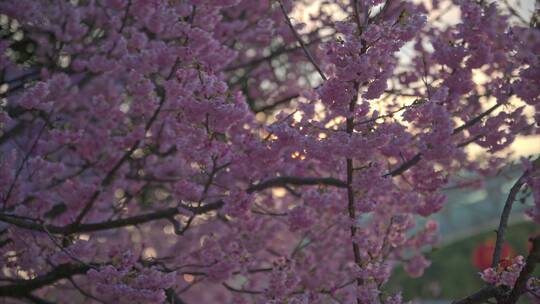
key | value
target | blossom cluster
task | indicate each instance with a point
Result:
(220, 151)
(506, 276)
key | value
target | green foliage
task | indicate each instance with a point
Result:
(452, 274)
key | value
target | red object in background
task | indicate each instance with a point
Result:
(483, 254)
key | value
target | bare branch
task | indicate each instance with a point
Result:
(282, 181)
(23, 288)
(302, 44)
(505, 216)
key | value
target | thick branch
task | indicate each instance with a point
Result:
(505, 216)
(165, 213)
(521, 284)
(173, 298)
(130, 221)
(480, 296)
(476, 120)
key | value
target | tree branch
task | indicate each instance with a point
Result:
(413, 161)
(23, 288)
(130, 221)
(237, 290)
(504, 218)
(283, 181)
(32, 224)
(530, 264)
(520, 287)
(475, 120)
(279, 51)
(276, 103)
(306, 51)
(160, 91)
(405, 166)
(15, 130)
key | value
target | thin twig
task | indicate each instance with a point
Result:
(65, 250)
(23, 162)
(514, 12)
(85, 293)
(302, 44)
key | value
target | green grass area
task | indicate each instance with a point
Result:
(452, 274)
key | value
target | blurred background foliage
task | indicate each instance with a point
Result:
(452, 274)
(467, 222)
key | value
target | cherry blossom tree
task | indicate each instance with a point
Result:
(221, 151)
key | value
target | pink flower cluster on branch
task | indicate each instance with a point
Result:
(186, 151)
